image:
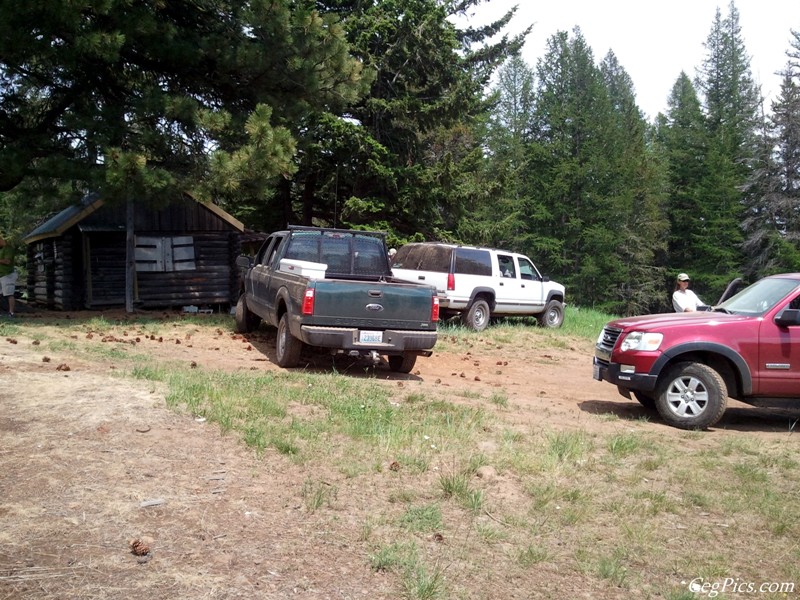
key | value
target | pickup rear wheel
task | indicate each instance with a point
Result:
(403, 363)
(287, 347)
(691, 396)
(246, 320)
(553, 315)
(477, 315)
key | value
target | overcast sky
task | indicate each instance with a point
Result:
(654, 41)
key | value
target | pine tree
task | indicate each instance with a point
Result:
(684, 138)
(634, 195)
(568, 202)
(417, 120)
(731, 103)
(772, 225)
(149, 99)
(496, 218)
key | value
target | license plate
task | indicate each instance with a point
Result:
(370, 337)
(596, 371)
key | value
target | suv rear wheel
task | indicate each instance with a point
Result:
(691, 396)
(553, 315)
(477, 315)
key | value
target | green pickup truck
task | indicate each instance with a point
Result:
(333, 288)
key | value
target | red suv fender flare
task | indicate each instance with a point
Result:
(740, 365)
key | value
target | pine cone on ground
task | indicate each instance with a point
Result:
(139, 547)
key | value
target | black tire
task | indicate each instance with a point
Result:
(402, 363)
(287, 347)
(553, 315)
(691, 396)
(646, 400)
(476, 317)
(246, 320)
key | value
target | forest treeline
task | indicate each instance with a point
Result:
(388, 115)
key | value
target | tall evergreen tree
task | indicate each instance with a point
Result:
(569, 168)
(684, 138)
(495, 218)
(731, 103)
(634, 205)
(772, 226)
(415, 124)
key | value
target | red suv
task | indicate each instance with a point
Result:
(686, 365)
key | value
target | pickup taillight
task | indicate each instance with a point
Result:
(308, 301)
(451, 282)
(435, 309)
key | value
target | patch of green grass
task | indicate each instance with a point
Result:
(422, 518)
(499, 399)
(62, 346)
(568, 446)
(738, 446)
(284, 446)
(621, 445)
(9, 327)
(415, 398)
(750, 474)
(317, 494)
(388, 557)
(653, 502)
(402, 496)
(612, 568)
(474, 501)
(531, 555)
(542, 494)
(490, 534)
(697, 499)
(422, 583)
(419, 581)
(454, 484)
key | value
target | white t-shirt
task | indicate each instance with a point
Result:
(683, 299)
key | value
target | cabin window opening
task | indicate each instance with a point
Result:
(165, 254)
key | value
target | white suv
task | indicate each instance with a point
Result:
(479, 283)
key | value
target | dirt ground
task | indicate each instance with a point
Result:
(90, 463)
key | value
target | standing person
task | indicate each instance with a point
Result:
(684, 299)
(8, 275)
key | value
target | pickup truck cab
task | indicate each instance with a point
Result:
(332, 288)
(686, 365)
(479, 283)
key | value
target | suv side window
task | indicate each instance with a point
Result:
(470, 261)
(423, 257)
(527, 270)
(507, 268)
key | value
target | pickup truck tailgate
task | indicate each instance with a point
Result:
(378, 305)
